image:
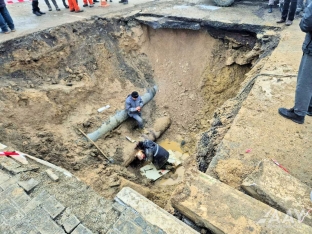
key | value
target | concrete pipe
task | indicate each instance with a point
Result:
(119, 117)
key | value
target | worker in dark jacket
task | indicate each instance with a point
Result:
(134, 104)
(303, 96)
(152, 152)
(5, 19)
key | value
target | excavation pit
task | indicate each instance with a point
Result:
(54, 81)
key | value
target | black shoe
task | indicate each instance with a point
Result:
(309, 113)
(37, 13)
(121, 1)
(79, 11)
(85, 5)
(66, 6)
(50, 8)
(281, 21)
(96, 1)
(58, 9)
(125, 2)
(290, 114)
(270, 10)
(42, 13)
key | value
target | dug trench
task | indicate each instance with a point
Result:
(53, 82)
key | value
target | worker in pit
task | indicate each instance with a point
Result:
(152, 152)
(134, 104)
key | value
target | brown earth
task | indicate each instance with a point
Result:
(53, 85)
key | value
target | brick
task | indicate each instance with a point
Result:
(69, 221)
(52, 175)
(80, 229)
(29, 184)
(39, 218)
(23, 226)
(53, 207)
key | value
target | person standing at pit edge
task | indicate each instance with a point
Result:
(36, 9)
(134, 104)
(303, 96)
(288, 13)
(5, 19)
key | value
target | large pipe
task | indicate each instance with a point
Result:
(119, 117)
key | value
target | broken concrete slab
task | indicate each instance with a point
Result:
(214, 205)
(272, 185)
(152, 213)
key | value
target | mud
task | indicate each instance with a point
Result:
(53, 82)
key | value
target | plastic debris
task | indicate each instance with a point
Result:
(248, 150)
(103, 108)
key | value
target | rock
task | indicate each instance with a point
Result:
(275, 187)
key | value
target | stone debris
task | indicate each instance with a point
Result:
(272, 185)
(223, 209)
(52, 175)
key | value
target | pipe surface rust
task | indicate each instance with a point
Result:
(120, 116)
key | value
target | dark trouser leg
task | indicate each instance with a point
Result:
(64, 3)
(304, 86)
(285, 9)
(292, 10)
(48, 3)
(35, 6)
(55, 4)
(7, 19)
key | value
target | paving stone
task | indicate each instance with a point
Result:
(80, 229)
(53, 207)
(52, 175)
(8, 164)
(5, 228)
(13, 191)
(152, 213)
(113, 231)
(9, 182)
(29, 184)
(7, 210)
(43, 222)
(3, 177)
(69, 221)
(31, 205)
(127, 227)
(22, 200)
(23, 226)
(140, 222)
(118, 207)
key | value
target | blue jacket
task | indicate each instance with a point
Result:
(132, 104)
(2, 3)
(306, 26)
